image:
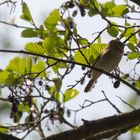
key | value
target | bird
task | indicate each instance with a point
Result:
(108, 60)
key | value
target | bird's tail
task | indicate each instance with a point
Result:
(89, 86)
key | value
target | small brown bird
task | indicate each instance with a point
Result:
(107, 61)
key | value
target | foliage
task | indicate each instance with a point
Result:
(41, 74)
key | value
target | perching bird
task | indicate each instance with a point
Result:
(108, 60)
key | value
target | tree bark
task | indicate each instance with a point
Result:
(108, 125)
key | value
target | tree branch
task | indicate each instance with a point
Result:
(136, 2)
(73, 62)
(4, 136)
(95, 127)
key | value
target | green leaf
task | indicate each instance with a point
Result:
(49, 45)
(106, 8)
(51, 21)
(29, 64)
(4, 129)
(52, 46)
(133, 55)
(62, 65)
(29, 33)
(75, 31)
(26, 13)
(119, 10)
(92, 12)
(34, 48)
(113, 31)
(131, 47)
(99, 40)
(96, 49)
(135, 130)
(137, 84)
(129, 33)
(6, 78)
(22, 66)
(53, 93)
(69, 94)
(37, 68)
(58, 84)
(17, 65)
(23, 108)
(81, 57)
(82, 41)
(54, 67)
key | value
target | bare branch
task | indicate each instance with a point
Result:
(98, 126)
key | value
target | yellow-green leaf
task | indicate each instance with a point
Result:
(34, 48)
(26, 13)
(133, 55)
(69, 94)
(29, 33)
(51, 21)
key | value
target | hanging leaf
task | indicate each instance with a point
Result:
(133, 55)
(53, 93)
(26, 13)
(58, 84)
(113, 31)
(51, 21)
(69, 94)
(29, 33)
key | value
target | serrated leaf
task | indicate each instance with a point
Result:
(34, 48)
(51, 21)
(58, 84)
(69, 94)
(49, 45)
(133, 55)
(113, 31)
(26, 13)
(29, 33)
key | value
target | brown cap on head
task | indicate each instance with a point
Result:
(117, 44)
